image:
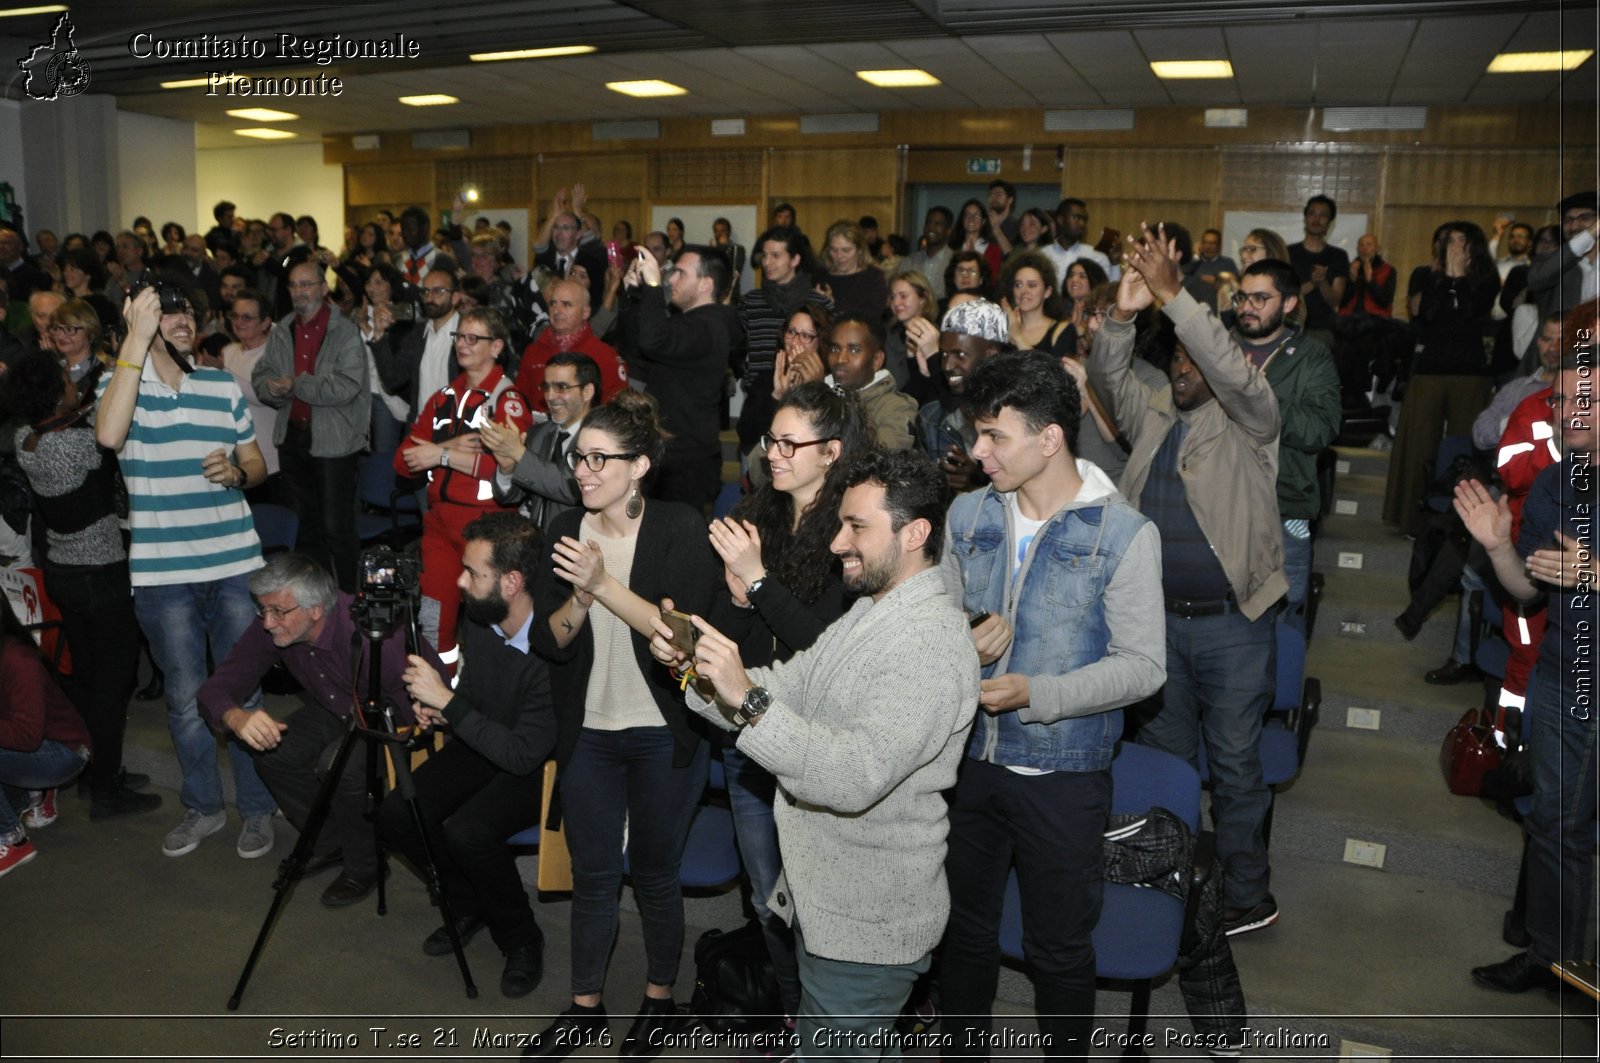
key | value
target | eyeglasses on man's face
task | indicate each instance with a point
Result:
(273, 613)
(1257, 300)
(558, 386)
(596, 460)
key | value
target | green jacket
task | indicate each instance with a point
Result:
(1303, 376)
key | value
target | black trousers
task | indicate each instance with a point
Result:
(470, 807)
(293, 773)
(322, 493)
(96, 603)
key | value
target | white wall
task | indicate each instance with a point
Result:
(11, 155)
(265, 180)
(156, 167)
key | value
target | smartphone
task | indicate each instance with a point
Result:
(684, 633)
(978, 618)
(614, 254)
(404, 311)
(1109, 238)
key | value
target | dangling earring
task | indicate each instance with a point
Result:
(635, 505)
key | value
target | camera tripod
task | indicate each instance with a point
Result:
(373, 723)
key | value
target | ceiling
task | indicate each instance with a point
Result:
(747, 57)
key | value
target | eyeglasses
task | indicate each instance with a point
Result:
(64, 330)
(472, 338)
(1579, 401)
(967, 271)
(558, 387)
(437, 291)
(798, 334)
(1258, 300)
(595, 459)
(787, 447)
(273, 613)
(1101, 314)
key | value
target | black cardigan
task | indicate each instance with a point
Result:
(673, 559)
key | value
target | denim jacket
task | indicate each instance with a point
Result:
(1086, 615)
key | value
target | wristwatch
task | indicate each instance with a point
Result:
(756, 701)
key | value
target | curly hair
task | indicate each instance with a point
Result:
(800, 558)
(1054, 305)
(34, 386)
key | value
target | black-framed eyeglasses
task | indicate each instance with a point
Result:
(558, 386)
(64, 330)
(787, 447)
(472, 338)
(273, 613)
(438, 290)
(596, 459)
(796, 334)
(1259, 300)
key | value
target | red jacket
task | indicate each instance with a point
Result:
(459, 409)
(1527, 447)
(530, 374)
(33, 707)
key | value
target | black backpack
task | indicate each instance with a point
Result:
(735, 990)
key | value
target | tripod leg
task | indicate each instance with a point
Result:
(407, 789)
(294, 864)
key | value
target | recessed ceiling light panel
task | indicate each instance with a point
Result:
(1537, 62)
(532, 53)
(1186, 69)
(897, 79)
(431, 99)
(647, 88)
(262, 114)
(265, 133)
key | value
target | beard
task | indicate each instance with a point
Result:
(1265, 326)
(874, 577)
(488, 610)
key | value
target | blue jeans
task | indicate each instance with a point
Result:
(751, 789)
(1220, 684)
(1297, 567)
(1052, 827)
(52, 764)
(612, 778)
(179, 620)
(847, 1010)
(1560, 824)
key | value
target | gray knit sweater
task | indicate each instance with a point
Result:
(865, 731)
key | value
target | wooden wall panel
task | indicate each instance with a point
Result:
(708, 176)
(827, 185)
(1145, 174)
(379, 184)
(617, 185)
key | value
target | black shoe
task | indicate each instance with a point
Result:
(1453, 672)
(1517, 975)
(132, 780)
(438, 942)
(652, 1027)
(576, 1027)
(320, 862)
(347, 890)
(121, 802)
(524, 969)
(1408, 628)
(153, 690)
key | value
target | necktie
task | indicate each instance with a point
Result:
(413, 269)
(558, 452)
(563, 264)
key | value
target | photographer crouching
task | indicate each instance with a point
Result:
(482, 787)
(306, 623)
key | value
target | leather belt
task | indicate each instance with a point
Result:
(1189, 608)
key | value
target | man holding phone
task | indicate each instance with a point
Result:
(1035, 786)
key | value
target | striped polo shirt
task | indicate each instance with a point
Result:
(185, 528)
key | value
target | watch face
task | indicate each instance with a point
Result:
(756, 700)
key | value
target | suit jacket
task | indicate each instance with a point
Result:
(591, 255)
(398, 360)
(542, 483)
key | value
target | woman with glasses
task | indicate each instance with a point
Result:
(251, 323)
(968, 273)
(972, 233)
(74, 483)
(632, 759)
(74, 332)
(799, 358)
(83, 276)
(444, 446)
(783, 588)
(1257, 244)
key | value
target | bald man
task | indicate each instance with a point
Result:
(569, 331)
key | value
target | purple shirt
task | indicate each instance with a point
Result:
(322, 667)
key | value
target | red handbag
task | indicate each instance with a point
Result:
(1469, 752)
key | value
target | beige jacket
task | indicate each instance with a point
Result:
(1229, 460)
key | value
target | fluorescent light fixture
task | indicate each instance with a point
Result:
(647, 88)
(1537, 62)
(897, 79)
(430, 99)
(262, 114)
(46, 9)
(197, 83)
(265, 134)
(532, 53)
(1193, 68)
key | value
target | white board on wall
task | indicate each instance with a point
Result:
(697, 227)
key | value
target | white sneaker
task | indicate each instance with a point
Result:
(256, 838)
(186, 836)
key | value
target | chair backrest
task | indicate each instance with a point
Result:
(1437, 497)
(1143, 778)
(276, 526)
(376, 481)
(1291, 668)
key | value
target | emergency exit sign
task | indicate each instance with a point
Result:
(983, 166)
